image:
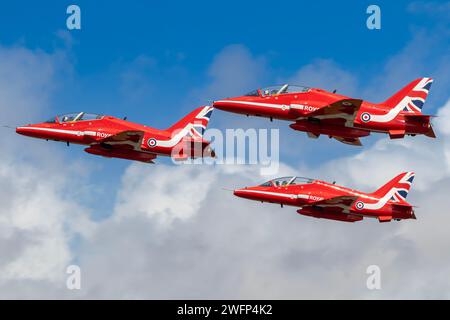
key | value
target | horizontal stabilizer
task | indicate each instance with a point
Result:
(338, 108)
(385, 218)
(419, 118)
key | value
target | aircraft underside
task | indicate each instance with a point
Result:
(122, 154)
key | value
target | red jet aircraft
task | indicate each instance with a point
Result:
(316, 111)
(325, 200)
(116, 138)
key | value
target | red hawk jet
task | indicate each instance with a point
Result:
(316, 111)
(116, 138)
(325, 200)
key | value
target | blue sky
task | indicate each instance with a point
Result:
(183, 38)
(297, 32)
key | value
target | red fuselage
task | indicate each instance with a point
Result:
(112, 137)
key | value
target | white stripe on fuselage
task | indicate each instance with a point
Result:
(160, 143)
(71, 132)
(392, 113)
(369, 206)
(269, 105)
(173, 141)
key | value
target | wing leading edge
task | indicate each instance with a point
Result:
(326, 119)
(345, 108)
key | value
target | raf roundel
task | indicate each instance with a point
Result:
(365, 117)
(359, 205)
(151, 142)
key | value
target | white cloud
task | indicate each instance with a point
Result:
(190, 188)
(326, 74)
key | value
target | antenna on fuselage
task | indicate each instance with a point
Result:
(125, 118)
(334, 91)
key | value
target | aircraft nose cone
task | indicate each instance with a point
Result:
(240, 193)
(218, 104)
(22, 130)
(26, 131)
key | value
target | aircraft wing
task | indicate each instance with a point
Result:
(339, 204)
(345, 108)
(344, 202)
(124, 140)
(124, 145)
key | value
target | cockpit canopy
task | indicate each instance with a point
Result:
(77, 116)
(276, 90)
(287, 181)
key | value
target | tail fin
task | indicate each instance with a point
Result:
(197, 121)
(412, 97)
(397, 188)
